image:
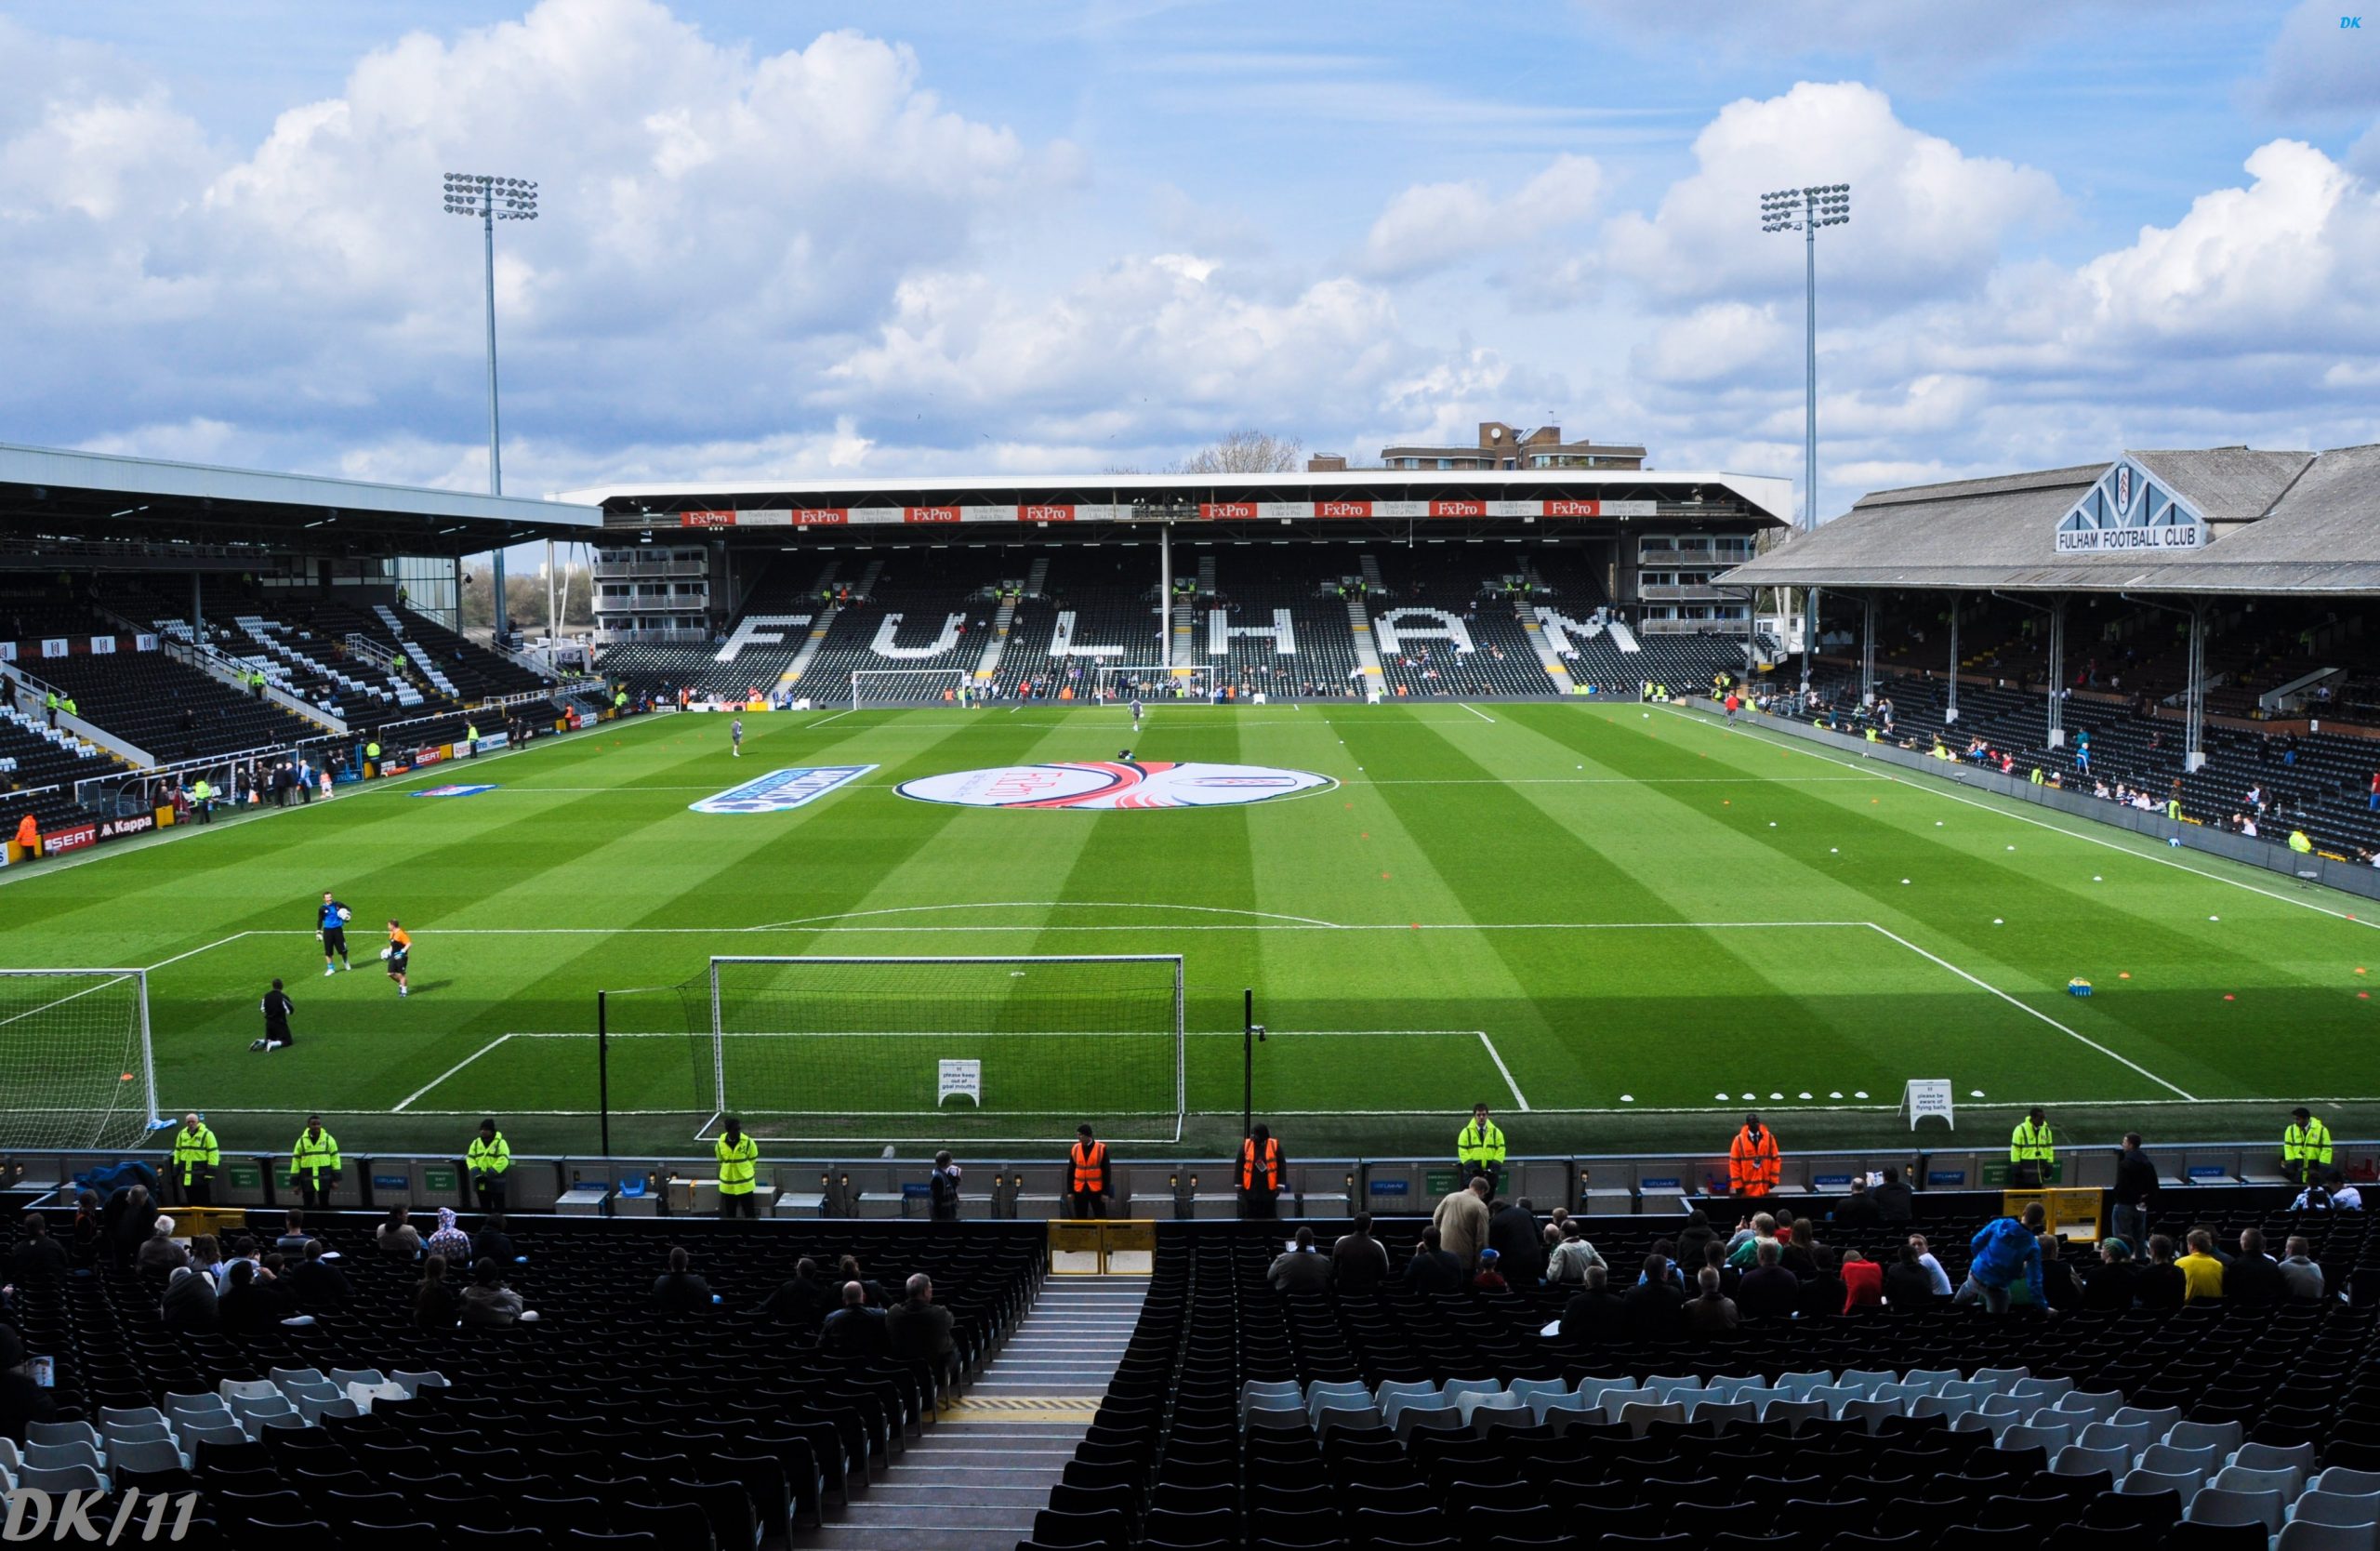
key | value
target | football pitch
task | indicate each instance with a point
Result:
(1620, 926)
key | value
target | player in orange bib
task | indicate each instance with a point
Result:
(398, 953)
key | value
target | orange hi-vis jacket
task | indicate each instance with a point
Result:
(1753, 1166)
(1088, 1175)
(1271, 1164)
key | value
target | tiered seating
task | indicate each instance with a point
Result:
(718, 1431)
(1503, 661)
(1109, 609)
(34, 756)
(939, 595)
(477, 673)
(1242, 1416)
(1325, 664)
(172, 710)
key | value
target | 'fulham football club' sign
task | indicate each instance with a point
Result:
(2130, 509)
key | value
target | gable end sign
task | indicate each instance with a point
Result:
(2130, 509)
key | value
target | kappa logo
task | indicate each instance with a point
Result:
(1100, 786)
(781, 790)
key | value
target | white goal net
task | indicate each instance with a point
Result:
(908, 686)
(959, 1048)
(75, 1065)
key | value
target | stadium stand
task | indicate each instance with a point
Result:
(358, 1426)
(36, 760)
(1241, 1415)
(170, 710)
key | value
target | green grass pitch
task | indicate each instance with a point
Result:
(1620, 926)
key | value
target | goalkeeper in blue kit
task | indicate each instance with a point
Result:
(332, 925)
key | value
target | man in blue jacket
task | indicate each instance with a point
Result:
(2006, 1250)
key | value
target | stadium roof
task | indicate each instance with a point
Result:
(1127, 498)
(55, 501)
(2222, 520)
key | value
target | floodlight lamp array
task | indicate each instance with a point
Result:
(485, 196)
(1806, 208)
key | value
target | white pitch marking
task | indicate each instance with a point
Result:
(1515, 1087)
(1482, 715)
(1903, 778)
(458, 1067)
(2031, 1011)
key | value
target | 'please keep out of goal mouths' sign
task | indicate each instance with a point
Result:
(780, 790)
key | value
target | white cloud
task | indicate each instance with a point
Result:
(1924, 215)
(2317, 69)
(1429, 226)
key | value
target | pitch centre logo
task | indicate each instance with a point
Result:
(1105, 785)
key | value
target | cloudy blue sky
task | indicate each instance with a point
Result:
(936, 237)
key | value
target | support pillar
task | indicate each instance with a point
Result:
(1165, 592)
(1868, 650)
(1950, 705)
(2054, 732)
(2194, 694)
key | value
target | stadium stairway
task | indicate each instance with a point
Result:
(975, 1480)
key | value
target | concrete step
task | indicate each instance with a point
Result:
(1015, 1517)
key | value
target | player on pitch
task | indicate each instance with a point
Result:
(735, 737)
(332, 925)
(398, 953)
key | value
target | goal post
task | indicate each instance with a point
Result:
(74, 1059)
(906, 687)
(962, 1049)
(1153, 683)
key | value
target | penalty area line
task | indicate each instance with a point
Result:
(406, 1103)
(1507, 1071)
(2033, 1011)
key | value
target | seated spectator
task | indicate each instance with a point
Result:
(434, 1304)
(1489, 1278)
(854, 1330)
(2059, 1288)
(1572, 1259)
(89, 1237)
(2201, 1273)
(1692, 1237)
(1859, 1208)
(802, 1299)
(253, 1303)
(1743, 1249)
(125, 1221)
(492, 1242)
(679, 1290)
(1432, 1268)
(2299, 1273)
(449, 1241)
(1863, 1282)
(2214, 1244)
(158, 1251)
(398, 1238)
(293, 1232)
(189, 1304)
(207, 1258)
(917, 1330)
(2252, 1280)
(1926, 1257)
(487, 1302)
(1301, 1268)
(2345, 1196)
(316, 1284)
(1358, 1261)
(1519, 1241)
(1715, 1254)
(1802, 1253)
(37, 1259)
(2109, 1287)
(1653, 1305)
(1768, 1290)
(2160, 1284)
(1907, 1283)
(1596, 1316)
(1711, 1312)
(847, 1270)
(1893, 1204)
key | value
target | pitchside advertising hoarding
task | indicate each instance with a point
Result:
(1213, 511)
